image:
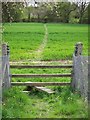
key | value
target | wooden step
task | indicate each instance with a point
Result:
(47, 90)
(44, 89)
(26, 91)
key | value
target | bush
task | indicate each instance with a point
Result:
(74, 20)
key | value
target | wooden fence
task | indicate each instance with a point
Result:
(78, 77)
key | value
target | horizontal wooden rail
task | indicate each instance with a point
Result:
(39, 83)
(40, 75)
(29, 66)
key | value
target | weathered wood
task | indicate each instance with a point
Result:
(44, 89)
(39, 83)
(79, 80)
(4, 49)
(80, 75)
(4, 59)
(26, 91)
(42, 61)
(7, 77)
(76, 66)
(40, 75)
(29, 66)
(5, 66)
(3, 71)
(78, 49)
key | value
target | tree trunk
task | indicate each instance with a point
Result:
(29, 18)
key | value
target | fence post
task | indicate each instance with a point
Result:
(78, 49)
(5, 66)
(76, 55)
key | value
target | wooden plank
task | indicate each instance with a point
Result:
(47, 90)
(29, 66)
(39, 83)
(42, 61)
(44, 89)
(39, 75)
(25, 91)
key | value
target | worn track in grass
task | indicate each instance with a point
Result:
(38, 53)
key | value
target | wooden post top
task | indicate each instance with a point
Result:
(5, 49)
(78, 48)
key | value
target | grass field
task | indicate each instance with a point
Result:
(36, 41)
(25, 39)
(62, 39)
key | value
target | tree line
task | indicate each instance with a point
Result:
(63, 12)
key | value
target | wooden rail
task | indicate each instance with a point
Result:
(29, 66)
(40, 75)
(39, 83)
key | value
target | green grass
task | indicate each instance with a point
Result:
(62, 39)
(62, 104)
(24, 40)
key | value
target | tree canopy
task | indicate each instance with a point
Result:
(66, 12)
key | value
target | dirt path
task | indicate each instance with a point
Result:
(38, 53)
